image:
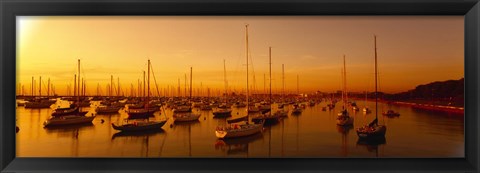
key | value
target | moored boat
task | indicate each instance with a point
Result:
(71, 115)
(107, 109)
(373, 130)
(366, 110)
(68, 120)
(237, 119)
(268, 118)
(139, 126)
(343, 119)
(391, 113)
(183, 117)
(143, 114)
(296, 110)
(222, 113)
(238, 130)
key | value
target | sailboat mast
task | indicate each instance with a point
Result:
(75, 85)
(78, 84)
(345, 82)
(190, 84)
(283, 81)
(225, 79)
(270, 71)
(33, 92)
(111, 85)
(40, 86)
(144, 84)
(343, 89)
(148, 81)
(185, 85)
(376, 94)
(298, 91)
(246, 55)
(48, 88)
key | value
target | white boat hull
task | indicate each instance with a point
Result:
(186, 117)
(245, 130)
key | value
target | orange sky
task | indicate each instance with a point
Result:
(412, 50)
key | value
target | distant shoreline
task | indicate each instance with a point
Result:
(427, 106)
(431, 107)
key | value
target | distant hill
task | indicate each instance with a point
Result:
(435, 90)
(450, 92)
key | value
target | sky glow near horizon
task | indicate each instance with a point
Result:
(412, 50)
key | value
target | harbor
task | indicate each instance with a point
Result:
(313, 133)
(240, 95)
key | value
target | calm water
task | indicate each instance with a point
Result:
(314, 133)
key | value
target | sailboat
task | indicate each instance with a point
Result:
(70, 115)
(240, 130)
(110, 108)
(282, 112)
(297, 110)
(366, 110)
(343, 118)
(268, 117)
(187, 116)
(145, 113)
(38, 103)
(223, 112)
(373, 130)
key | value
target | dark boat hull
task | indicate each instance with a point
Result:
(134, 128)
(222, 114)
(141, 114)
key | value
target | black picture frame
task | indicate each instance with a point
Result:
(11, 8)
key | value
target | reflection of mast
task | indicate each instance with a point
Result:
(344, 140)
(146, 145)
(161, 146)
(189, 140)
(283, 124)
(297, 134)
(75, 143)
(270, 142)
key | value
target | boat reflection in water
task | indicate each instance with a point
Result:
(372, 144)
(151, 132)
(344, 129)
(313, 134)
(71, 128)
(236, 146)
